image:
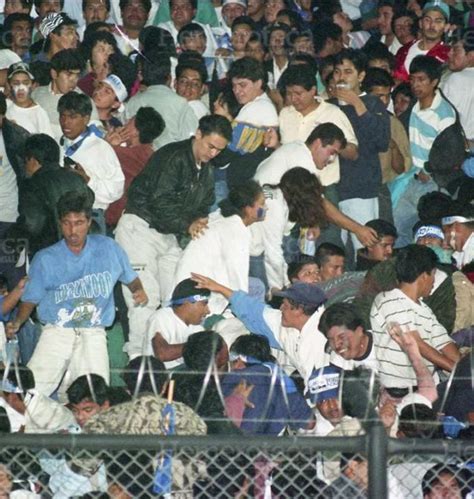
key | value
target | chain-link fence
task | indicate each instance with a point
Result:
(236, 467)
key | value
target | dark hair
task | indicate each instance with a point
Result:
(280, 27)
(16, 17)
(324, 31)
(88, 387)
(74, 202)
(249, 69)
(22, 377)
(149, 123)
(193, 3)
(357, 57)
(118, 395)
(299, 75)
(295, 20)
(67, 60)
(3, 104)
(84, 5)
(379, 51)
(41, 70)
(156, 68)
(75, 102)
(417, 421)
(382, 227)
(95, 27)
(340, 314)
(402, 12)
(146, 4)
(37, 3)
(377, 77)
(190, 30)
(428, 65)
(228, 98)
(195, 65)
(295, 266)
(300, 59)
(303, 193)
(142, 373)
(431, 477)
(327, 133)
(464, 35)
(404, 88)
(325, 251)
(238, 21)
(66, 21)
(413, 261)
(157, 39)
(201, 348)
(121, 66)
(253, 345)
(325, 62)
(92, 39)
(5, 426)
(43, 148)
(433, 206)
(216, 124)
(239, 197)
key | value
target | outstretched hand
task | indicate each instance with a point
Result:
(406, 340)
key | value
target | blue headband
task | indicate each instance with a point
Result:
(188, 299)
(429, 231)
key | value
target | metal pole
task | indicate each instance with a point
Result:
(378, 461)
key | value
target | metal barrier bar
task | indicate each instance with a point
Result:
(378, 458)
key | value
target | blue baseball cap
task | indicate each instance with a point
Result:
(303, 293)
(438, 5)
(323, 384)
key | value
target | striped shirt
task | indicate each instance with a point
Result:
(426, 125)
(395, 368)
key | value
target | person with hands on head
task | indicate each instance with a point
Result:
(71, 285)
(292, 330)
(168, 206)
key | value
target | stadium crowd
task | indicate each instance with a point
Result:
(272, 200)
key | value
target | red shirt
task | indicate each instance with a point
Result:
(132, 160)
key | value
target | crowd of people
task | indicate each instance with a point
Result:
(272, 200)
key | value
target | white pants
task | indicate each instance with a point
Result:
(154, 256)
(360, 210)
(64, 354)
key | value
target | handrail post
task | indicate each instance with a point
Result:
(378, 461)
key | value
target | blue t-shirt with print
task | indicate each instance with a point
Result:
(76, 290)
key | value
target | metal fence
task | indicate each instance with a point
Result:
(233, 467)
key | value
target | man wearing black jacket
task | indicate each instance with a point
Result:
(168, 204)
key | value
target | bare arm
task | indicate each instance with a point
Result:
(398, 161)
(439, 359)
(24, 311)
(351, 151)
(365, 235)
(11, 300)
(206, 283)
(164, 351)
(139, 295)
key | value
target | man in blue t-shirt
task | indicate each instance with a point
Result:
(71, 285)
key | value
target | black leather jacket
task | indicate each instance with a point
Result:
(172, 192)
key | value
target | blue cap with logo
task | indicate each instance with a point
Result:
(438, 5)
(323, 384)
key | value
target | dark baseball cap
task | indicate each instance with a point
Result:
(304, 294)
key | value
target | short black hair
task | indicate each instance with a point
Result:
(21, 377)
(327, 133)
(325, 251)
(248, 68)
(418, 421)
(247, 20)
(95, 27)
(253, 345)
(156, 68)
(41, 70)
(300, 59)
(145, 374)
(357, 57)
(324, 31)
(240, 196)
(190, 30)
(227, 97)
(74, 202)
(194, 65)
(216, 124)
(377, 77)
(68, 60)
(194, 3)
(300, 75)
(414, 260)
(433, 206)
(146, 4)
(158, 39)
(379, 51)
(149, 123)
(382, 227)
(88, 387)
(75, 102)
(404, 88)
(428, 65)
(201, 348)
(92, 39)
(295, 266)
(16, 17)
(43, 148)
(37, 3)
(84, 5)
(122, 66)
(431, 477)
(340, 314)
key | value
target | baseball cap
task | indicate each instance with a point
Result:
(243, 3)
(413, 398)
(188, 292)
(19, 67)
(52, 21)
(304, 294)
(323, 384)
(438, 5)
(429, 230)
